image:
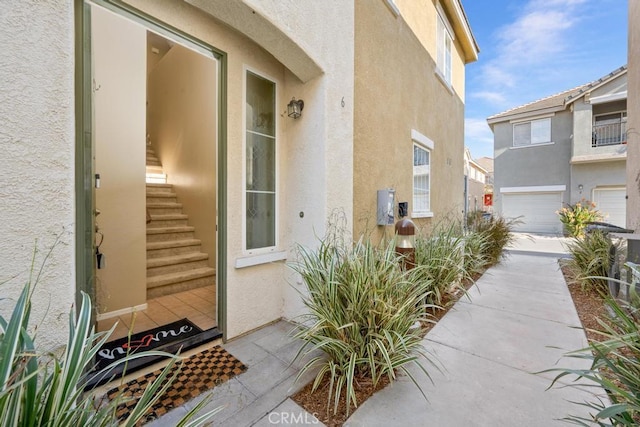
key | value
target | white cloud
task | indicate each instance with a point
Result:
(538, 37)
(495, 98)
(477, 130)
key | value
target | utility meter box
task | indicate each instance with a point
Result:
(386, 203)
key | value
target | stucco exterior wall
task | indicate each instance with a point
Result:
(389, 106)
(315, 153)
(532, 165)
(592, 175)
(420, 16)
(37, 155)
(633, 118)
(119, 73)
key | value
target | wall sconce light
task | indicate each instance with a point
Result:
(294, 108)
(580, 188)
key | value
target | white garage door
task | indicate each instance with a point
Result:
(612, 204)
(537, 211)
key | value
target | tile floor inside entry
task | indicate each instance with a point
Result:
(197, 305)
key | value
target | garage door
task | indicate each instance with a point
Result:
(612, 203)
(537, 211)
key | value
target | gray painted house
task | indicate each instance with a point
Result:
(561, 149)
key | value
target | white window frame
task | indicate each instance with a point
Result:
(421, 141)
(267, 249)
(531, 123)
(444, 47)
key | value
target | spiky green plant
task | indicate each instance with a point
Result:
(476, 252)
(362, 311)
(441, 258)
(497, 231)
(615, 367)
(576, 217)
(40, 389)
(589, 262)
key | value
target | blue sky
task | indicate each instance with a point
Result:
(530, 49)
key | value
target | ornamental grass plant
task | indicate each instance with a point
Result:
(440, 257)
(362, 312)
(614, 367)
(38, 388)
(590, 262)
(497, 235)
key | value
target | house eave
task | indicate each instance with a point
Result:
(524, 115)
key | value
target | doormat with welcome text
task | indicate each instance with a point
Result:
(142, 341)
(199, 373)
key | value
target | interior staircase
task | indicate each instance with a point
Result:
(175, 262)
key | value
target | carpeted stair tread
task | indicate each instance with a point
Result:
(181, 276)
(168, 217)
(158, 185)
(176, 259)
(174, 229)
(161, 194)
(164, 205)
(173, 244)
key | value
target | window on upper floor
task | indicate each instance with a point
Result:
(260, 163)
(609, 129)
(531, 133)
(445, 45)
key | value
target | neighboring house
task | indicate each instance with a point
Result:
(159, 140)
(560, 150)
(475, 177)
(487, 164)
(633, 119)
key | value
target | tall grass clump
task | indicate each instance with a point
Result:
(615, 367)
(362, 311)
(43, 389)
(590, 261)
(496, 232)
(440, 257)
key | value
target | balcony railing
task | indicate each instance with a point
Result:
(609, 134)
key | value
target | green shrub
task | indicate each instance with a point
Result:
(41, 389)
(441, 258)
(589, 263)
(362, 312)
(615, 366)
(575, 217)
(497, 235)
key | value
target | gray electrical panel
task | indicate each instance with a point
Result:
(386, 203)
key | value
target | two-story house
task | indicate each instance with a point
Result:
(189, 146)
(562, 149)
(475, 178)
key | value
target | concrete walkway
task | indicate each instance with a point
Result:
(520, 320)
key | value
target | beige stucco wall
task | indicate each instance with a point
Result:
(314, 152)
(119, 72)
(388, 106)
(633, 118)
(421, 16)
(37, 156)
(181, 124)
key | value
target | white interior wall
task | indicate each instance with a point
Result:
(119, 68)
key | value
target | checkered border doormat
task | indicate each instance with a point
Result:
(199, 373)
